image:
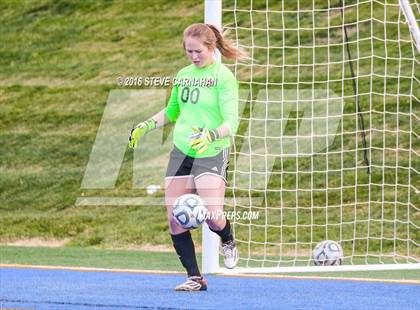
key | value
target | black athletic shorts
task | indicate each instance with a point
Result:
(184, 165)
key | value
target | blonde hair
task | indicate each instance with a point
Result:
(213, 39)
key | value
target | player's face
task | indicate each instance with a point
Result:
(198, 53)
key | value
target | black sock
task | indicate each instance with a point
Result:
(225, 234)
(184, 247)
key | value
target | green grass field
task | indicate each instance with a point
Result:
(60, 60)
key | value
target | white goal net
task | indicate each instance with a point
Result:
(328, 143)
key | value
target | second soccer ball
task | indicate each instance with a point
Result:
(327, 253)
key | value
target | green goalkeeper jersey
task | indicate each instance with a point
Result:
(206, 98)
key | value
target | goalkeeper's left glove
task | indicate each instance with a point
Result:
(201, 138)
(139, 131)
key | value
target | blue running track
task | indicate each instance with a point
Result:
(64, 289)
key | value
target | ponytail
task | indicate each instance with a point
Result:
(226, 48)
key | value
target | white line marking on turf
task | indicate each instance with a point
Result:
(279, 276)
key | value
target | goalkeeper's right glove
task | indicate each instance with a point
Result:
(139, 131)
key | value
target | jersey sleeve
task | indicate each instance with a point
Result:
(172, 109)
(228, 101)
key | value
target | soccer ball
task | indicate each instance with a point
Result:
(190, 211)
(327, 253)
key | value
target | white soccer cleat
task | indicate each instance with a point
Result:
(230, 253)
(193, 283)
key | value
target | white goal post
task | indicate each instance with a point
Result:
(328, 145)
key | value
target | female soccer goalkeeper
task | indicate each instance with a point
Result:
(204, 107)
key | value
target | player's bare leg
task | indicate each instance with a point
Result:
(181, 238)
(175, 187)
(212, 189)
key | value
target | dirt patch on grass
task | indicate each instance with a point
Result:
(36, 242)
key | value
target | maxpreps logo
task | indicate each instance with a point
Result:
(283, 123)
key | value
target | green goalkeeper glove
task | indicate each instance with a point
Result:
(139, 131)
(201, 139)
